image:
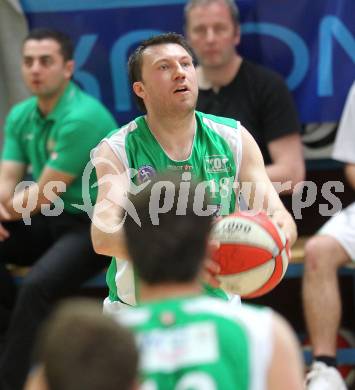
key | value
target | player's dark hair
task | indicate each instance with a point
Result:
(174, 249)
(64, 41)
(135, 60)
(81, 348)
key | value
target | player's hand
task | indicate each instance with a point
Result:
(284, 220)
(211, 268)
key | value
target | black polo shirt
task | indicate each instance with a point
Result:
(259, 99)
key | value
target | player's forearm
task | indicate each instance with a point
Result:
(7, 190)
(5, 196)
(108, 239)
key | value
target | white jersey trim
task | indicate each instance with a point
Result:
(131, 317)
(117, 143)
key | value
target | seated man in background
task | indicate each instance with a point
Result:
(331, 248)
(187, 339)
(233, 87)
(53, 132)
(79, 348)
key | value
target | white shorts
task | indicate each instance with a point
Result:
(342, 227)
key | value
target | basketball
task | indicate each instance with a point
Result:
(253, 253)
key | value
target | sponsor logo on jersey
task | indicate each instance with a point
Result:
(169, 349)
(145, 173)
(180, 168)
(217, 164)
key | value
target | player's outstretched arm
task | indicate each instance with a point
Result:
(286, 368)
(107, 222)
(257, 189)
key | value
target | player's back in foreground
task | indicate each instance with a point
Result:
(186, 339)
(202, 342)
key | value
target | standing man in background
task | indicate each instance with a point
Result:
(53, 132)
(234, 87)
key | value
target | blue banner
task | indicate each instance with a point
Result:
(311, 43)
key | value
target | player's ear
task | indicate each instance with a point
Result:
(69, 69)
(138, 89)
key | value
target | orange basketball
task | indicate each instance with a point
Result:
(253, 253)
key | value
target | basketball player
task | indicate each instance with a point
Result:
(185, 338)
(173, 136)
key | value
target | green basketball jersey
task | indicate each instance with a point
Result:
(201, 343)
(215, 160)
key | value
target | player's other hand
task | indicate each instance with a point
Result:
(285, 221)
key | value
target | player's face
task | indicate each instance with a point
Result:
(169, 83)
(212, 34)
(43, 67)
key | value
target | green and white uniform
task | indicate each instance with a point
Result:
(215, 159)
(62, 140)
(202, 343)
